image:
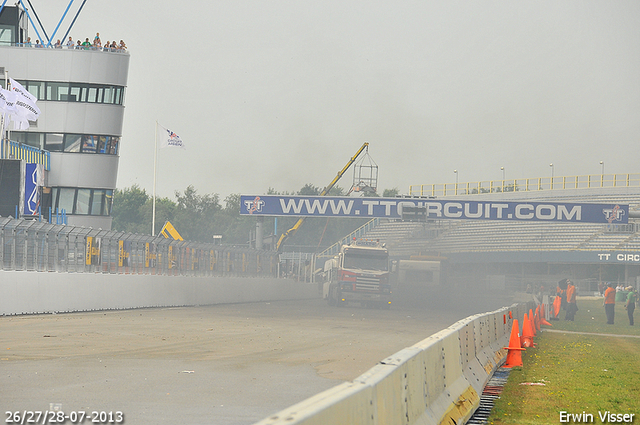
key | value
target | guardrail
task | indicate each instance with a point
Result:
(517, 185)
(30, 245)
(359, 232)
(436, 381)
(14, 150)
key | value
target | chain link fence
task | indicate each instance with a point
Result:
(32, 245)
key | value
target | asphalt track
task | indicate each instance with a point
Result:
(221, 364)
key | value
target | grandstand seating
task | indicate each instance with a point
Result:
(406, 238)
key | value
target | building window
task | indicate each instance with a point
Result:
(81, 201)
(75, 92)
(36, 88)
(66, 196)
(97, 202)
(57, 142)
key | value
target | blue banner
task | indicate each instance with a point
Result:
(31, 192)
(354, 207)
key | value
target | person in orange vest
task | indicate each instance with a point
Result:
(559, 300)
(610, 303)
(572, 306)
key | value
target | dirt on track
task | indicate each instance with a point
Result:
(227, 364)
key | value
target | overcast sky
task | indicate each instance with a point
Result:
(282, 93)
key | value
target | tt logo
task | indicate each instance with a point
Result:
(254, 205)
(613, 214)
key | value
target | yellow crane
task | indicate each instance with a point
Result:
(324, 192)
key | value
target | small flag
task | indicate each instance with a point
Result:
(169, 139)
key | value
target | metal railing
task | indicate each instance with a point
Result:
(30, 245)
(359, 232)
(518, 185)
(14, 150)
(64, 46)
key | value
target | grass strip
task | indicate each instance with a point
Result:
(581, 374)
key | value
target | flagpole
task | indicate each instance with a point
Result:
(155, 162)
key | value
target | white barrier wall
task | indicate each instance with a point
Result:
(33, 292)
(436, 381)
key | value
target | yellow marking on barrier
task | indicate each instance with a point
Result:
(488, 367)
(499, 355)
(461, 409)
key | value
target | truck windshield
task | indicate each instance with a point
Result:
(366, 261)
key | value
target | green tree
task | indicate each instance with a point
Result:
(195, 215)
(390, 193)
(129, 210)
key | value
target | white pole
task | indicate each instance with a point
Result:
(6, 134)
(155, 162)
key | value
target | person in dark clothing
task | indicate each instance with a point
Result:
(632, 297)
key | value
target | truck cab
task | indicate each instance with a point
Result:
(358, 274)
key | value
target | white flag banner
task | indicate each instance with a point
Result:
(20, 123)
(19, 89)
(169, 139)
(7, 101)
(19, 105)
(27, 109)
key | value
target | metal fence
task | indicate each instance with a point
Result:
(527, 185)
(32, 245)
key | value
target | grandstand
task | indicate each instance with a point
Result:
(478, 249)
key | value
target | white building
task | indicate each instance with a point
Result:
(81, 95)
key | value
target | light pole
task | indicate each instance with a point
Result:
(502, 168)
(602, 174)
(551, 165)
(456, 173)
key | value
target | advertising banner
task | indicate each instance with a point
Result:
(355, 207)
(124, 248)
(32, 183)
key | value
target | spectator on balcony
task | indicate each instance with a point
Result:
(58, 45)
(87, 44)
(70, 44)
(96, 40)
(28, 42)
(123, 46)
(79, 45)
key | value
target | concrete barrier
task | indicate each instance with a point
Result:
(33, 292)
(434, 382)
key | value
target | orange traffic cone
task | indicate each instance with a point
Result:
(527, 333)
(532, 323)
(557, 303)
(514, 357)
(536, 321)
